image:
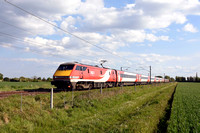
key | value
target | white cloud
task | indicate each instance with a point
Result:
(143, 45)
(140, 15)
(111, 28)
(193, 40)
(149, 45)
(6, 45)
(29, 59)
(140, 45)
(68, 24)
(190, 28)
(137, 36)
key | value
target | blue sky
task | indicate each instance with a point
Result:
(138, 33)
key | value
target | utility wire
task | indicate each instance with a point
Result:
(33, 51)
(14, 37)
(63, 29)
(17, 27)
(32, 42)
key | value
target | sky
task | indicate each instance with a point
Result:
(132, 34)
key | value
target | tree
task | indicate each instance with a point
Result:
(159, 76)
(14, 80)
(190, 79)
(167, 77)
(35, 79)
(39, 79)
(6, 79)
(180, 79)
(22, 79)
(1, 76)
(43, 79)
(171, 79)
(49, 79)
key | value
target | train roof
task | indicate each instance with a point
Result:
(73, 63)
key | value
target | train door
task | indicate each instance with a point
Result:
(80, 69)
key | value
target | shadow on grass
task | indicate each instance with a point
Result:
(163, 124)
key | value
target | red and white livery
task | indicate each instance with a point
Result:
(77, 75)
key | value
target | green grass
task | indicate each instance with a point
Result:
(12, 86)
(185, 114)
(116, 110)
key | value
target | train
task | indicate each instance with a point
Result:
(74, 75)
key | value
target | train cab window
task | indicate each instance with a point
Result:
(81, 68)
(84, 68)
(77, 67)
(65, 67)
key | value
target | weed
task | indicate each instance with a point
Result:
(115, 110)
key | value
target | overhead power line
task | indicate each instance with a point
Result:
(16, 27)
(33, 50)
(63, 29)
(76, 36)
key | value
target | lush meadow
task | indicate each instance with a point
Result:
(185, 114)
(115, 110)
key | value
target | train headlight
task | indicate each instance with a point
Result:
(61, 77)
(74, 77)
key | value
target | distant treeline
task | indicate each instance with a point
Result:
(187, 79)
(24, 79)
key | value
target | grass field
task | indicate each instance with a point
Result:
(115, 110)
(12, 86)
(185, 115)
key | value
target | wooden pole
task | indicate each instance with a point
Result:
(21, 103)
(51, 104)
(135, 86)
(72, 96)
(101, 88)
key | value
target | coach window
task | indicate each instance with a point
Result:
(88, 71)
(100, 72)
(109, 73)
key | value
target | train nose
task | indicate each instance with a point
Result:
(63, 73)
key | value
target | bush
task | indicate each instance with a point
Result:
(1, 76)
(6, 79)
